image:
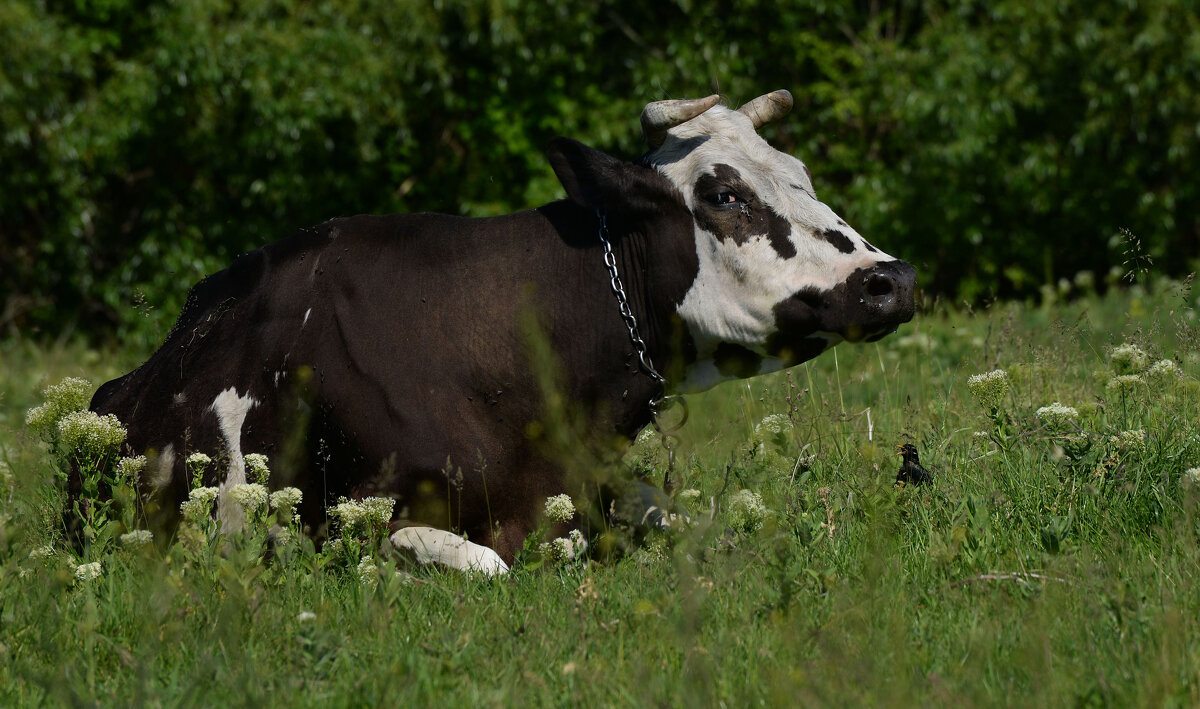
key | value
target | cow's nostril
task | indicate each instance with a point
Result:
(879, 285)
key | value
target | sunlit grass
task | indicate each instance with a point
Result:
(1050, 562)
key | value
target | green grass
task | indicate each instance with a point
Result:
(1036, 569)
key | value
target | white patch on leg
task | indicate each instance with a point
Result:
(306, 314)
(231, 411)
(438, 546)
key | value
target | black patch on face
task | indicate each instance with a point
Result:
(840, 241)
(739, 221)
(869, 304)
(736, 361)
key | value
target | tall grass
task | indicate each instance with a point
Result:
(1041, 567)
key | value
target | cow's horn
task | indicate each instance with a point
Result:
(660, 116)
(768, 107)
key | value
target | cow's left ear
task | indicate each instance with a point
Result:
(599, 181)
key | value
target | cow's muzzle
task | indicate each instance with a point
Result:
(885, 299)
(865, 307)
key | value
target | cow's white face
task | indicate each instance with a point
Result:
(781, 277)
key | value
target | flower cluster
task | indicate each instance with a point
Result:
(91, 434)
(251, 496)
(746, 511)
(71, 394)
(1056, 416)
(88, 572)
(1191, 478)
(772, 425)
(285, 500)
(560, 508)
(198, 506)
(689, 495)
(1123, 383)
(989, 388)
(368, 572)
(131, 468)
(1164, 369)
(1128, 359)
(256, 468)
(365, 517)
(137, 538)
(564, 549)
(1133, 440)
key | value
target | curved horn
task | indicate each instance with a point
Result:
(660, 116)
(768, 107)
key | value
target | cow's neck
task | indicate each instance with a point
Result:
(653, 288)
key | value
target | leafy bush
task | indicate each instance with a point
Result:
(147, 144)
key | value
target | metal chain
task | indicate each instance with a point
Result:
(659, 403)
(618, 289)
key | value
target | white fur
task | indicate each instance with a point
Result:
(164, 466)
(438, 546)
(231, 410)
(738, 285)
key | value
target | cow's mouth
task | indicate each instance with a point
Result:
(868, 306)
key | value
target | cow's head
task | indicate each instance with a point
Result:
(780, 276)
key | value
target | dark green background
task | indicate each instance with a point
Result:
(998, 145)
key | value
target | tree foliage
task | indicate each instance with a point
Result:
(997, 145)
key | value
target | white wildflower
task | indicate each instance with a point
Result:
(1128, 358)
(305, 617)
(285, 500)
(256, 468)
(746, 511)
(989, 388)
(90, 433)
(773, 424)
(88, 572)
(368, 572)
(333, 548)
(43, 552)
(365, 517)
(131, 468)
(1191, 478)
(137, 538)
(71, 394)
(689, 495)
(1124, 383)
(198, 506)
(560, 508)
(1056, 416)
(251, 496)
(1132, 440)
(1163, 369)
(197, 463)
(564, 549)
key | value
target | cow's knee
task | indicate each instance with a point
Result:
(437, 546)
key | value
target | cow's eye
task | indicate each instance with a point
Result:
(723, 198)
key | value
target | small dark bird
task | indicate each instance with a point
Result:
(911, 470)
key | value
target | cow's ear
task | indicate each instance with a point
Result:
(599, 181)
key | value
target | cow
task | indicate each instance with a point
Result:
(373, 355)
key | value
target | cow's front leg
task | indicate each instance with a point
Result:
(429, 545)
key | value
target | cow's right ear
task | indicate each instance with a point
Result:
(599, 181)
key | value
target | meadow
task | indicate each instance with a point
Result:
(1053, 560)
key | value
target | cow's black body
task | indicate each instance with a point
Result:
(414, 359)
